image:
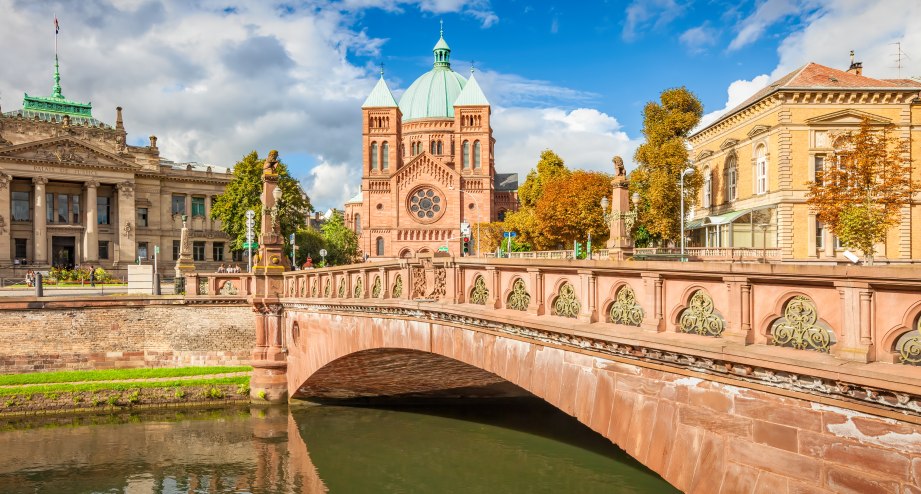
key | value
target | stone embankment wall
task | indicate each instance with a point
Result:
(121, 332)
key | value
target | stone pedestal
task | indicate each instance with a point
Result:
(184, 265)
(620, 244)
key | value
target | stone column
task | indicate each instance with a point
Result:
(587, 285)
(126, 224)
(493, 283)
(735, 315)
(5, 219)
(91, 235)
(536, 289)
(653, 318)
(854, 342)
(207, 222)
(39, 232)
(188, 207)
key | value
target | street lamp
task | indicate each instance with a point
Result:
(629, 217)
(478, 217)
(686, 172)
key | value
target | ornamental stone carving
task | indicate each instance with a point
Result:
(4, 180)
(480, 294)
(328, 290)
(700, 318)
(909, 346)
(228, 288)
(397, 291)
(313, 288)
(418, 282)
(341, 292)
(799, 327)
(203, 286)
(359, 288)
(519, 299)
(625, 310)
(376, 287)
(566, 304)
(39, 180)
(126, 190)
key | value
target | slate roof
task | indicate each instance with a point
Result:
(506, 182)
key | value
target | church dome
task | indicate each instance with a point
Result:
(432, 95)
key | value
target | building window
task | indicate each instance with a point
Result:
(818, 165)
(385, 155)
(178, 204)
(62, 208)
(49, 208)
(175, 250)
(22, 245)
(708, 187)
(761, 171)
(819, 235)
(440, 149)
(102, 210)
(358, 223)
(20, 203)
(432, 147)
(476, 154)
(198, 207)
(103, 249)
(217, 250)
(732, 178)
(142, 250)
(380, 246)
(142, 217)
(466, 154)
(374, 156)
(198, 251)
(75, 209)
(838, 245)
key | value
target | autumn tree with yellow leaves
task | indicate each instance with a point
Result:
(863, 186)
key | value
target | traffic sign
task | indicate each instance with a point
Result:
(509, 234)
(323, 253)
(291, 238)
(250, 245)
(443, 248)
(156, 249)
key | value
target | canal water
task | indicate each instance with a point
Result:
(506, 446)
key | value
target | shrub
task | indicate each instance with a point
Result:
(179, 394)
(113, 400)
(261, 394)
(214, 394)
(134, 397)
(243, 389)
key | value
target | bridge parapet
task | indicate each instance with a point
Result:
(219, 286)
(843, 332)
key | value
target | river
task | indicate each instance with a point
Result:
(505, 446)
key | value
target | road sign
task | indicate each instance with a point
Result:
(291, 239)
(250, 245)
(509, 234)
(443, 248)
(156, 249)
(322, 252)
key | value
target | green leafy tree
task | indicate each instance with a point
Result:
(341, 241)
(661, 160)
(309, 241)
(860, 194)
(244, 192)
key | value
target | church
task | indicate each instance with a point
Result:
(428, 166)
(73, 191)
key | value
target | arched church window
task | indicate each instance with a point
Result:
(432, 147)
(440, 147)
(357, 223)
(476, 154)
(374, 156)
(380, 246)
(385, 155)
(466, 154)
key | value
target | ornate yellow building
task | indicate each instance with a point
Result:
(72, 191)
(757, 159)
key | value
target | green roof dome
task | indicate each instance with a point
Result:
(432, 95)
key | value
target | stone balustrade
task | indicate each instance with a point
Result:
(224, 286)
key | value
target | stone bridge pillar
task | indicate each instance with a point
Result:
(270, 357)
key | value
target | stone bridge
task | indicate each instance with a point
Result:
(729, 378)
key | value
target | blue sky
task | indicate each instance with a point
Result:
(216, 79)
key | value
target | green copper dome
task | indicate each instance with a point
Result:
(433, 94)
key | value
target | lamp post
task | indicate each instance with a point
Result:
(629, 217)
(478, 217)
(686, 172)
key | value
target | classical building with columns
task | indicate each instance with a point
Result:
(758, 158)
(428, 165)
(72, 191)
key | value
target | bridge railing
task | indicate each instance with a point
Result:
(713, 253)
(230, 286)
(855, 313)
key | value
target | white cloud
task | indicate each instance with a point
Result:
(330, 185)
(738, 92)
(585, 138)
(698, 38)
(768, 12)
(643, 15)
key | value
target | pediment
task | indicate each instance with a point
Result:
(425, 168)
(728, 144)
(65, 151)
(849, 116)
(758, 129)
(706, 153)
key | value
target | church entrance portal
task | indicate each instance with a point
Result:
(63, 251)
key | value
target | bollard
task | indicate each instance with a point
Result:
(156, 284)
(39, 292)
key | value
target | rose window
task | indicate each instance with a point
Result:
(425, 204)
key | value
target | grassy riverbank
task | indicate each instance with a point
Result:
(121, 388)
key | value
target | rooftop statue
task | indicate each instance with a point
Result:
(619, 166)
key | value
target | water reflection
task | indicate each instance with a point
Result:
(508, 446)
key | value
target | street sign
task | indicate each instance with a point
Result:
(156, 249)
(509, 234)
(322, 252)
(443, 248)
(250, 245)
(291, 239)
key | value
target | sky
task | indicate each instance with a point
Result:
(215, 80)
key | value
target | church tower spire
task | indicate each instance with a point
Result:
(442, 51)
(56, 89)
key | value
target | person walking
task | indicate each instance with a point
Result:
(92, 276)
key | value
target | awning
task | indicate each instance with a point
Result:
(694, 224)
(725, 218)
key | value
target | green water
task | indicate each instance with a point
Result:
(492, 447)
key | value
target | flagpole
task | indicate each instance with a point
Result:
(55, 36)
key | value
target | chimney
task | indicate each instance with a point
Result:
(118, 119)
(153, 142)
(856, 67)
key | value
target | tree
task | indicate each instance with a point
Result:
(549, 167)
(490, 235)
(341, 241)
(662, 159)
(309, 241)
(245, 191)
(866, 182)
(569, 209)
